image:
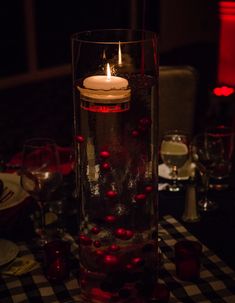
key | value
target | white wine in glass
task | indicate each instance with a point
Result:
(174, 153)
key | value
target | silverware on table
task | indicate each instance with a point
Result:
(6, 195)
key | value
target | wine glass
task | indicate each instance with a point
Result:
(40, 175)
(174, 153)
(206, 152)
(221, 173)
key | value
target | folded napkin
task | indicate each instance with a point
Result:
(20, 266)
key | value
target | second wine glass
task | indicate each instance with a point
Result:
(40, 175)
(174, 153)
(206, 152)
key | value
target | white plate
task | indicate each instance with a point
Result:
(183, 174)
(8, 251)
(12, 183)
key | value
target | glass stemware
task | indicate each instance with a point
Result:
(206, 152)
(40, 175)
(224, 135)
(174, 153)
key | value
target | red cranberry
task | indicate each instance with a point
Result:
(104, 154)
(137, 261)
(110, 219)
(111, 194)
(129, 234)
(97, 243)
(85, 240)
(99, 252)
(140, 197)
(120, 233)
(79, 139)
(129, 266)
(135, 133)
(114, 247)
(95, 230)
(148, 188)
(110, 260)
(105, 166)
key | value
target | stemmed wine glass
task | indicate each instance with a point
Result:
(224, 135)
(174, 153)
(40, 175)
(206, 152)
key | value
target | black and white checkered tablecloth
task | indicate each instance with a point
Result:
(217, 282)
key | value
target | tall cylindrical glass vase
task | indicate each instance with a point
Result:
(115, 76)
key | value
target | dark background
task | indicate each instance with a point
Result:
(55, 21)
(188, 35)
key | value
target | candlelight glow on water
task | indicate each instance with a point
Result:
(104, 94)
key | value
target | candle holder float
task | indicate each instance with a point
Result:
(115, 93)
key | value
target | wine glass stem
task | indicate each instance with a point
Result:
(206, 186)
(174, 175)
(206, 204)
(43, 223)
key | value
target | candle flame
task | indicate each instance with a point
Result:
(104, 54)
(119, 54)
(108, 72)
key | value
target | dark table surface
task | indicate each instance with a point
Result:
(216, 229)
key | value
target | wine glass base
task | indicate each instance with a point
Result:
(174, 187)
(207, 205)
(219, 186)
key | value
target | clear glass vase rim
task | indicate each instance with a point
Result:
(148, 36)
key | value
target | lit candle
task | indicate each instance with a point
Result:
(119, 54)
(105, 82)
(105, 93)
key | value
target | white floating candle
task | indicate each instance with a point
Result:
(107, 82)
(105, 88)
(102, 82)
